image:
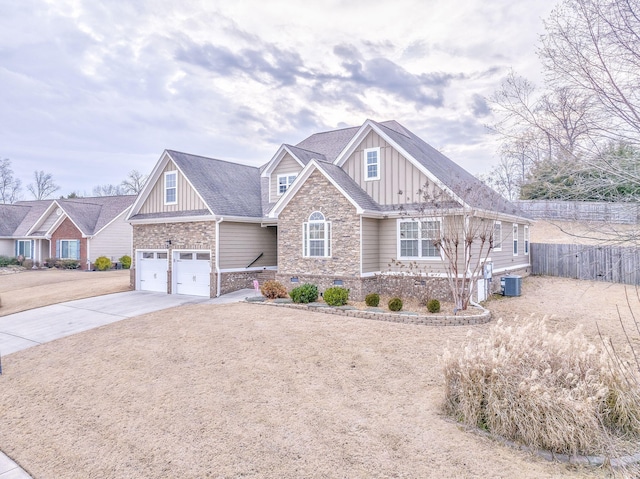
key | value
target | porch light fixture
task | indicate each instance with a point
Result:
(168, 243)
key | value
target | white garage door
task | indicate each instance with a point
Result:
(152, 271)
(192, 273)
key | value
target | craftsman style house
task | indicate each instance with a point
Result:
(80, 229)
(340, 207)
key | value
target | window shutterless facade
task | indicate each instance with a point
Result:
(417, 239)
(526, 239)
(284, 182)
(515, 240)
(372, 164)
(316, 236)
(497, 236)
(170, 187)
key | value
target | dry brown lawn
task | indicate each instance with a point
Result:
(254, 391)
(33, 289)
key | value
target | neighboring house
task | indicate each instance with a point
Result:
(333, 209)
(80, 229)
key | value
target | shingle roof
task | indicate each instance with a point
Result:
(305, 156)
(329, 143)
(466, 186)
(349, 186)
(89, 214)
(228, 189)
(10, 218)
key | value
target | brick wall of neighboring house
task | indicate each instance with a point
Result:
(68, 231)
(318, 194)
(200, 235)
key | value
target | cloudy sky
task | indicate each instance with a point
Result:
(90, 89)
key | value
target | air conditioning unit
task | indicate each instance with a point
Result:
(511, 285)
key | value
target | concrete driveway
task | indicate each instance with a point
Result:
(30, 328)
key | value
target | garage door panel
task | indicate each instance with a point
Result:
(152, 271)
(192, 273)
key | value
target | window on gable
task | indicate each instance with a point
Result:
(316, 236)
(418, 239)
(170, 187)
(69, 249)
(372, 164)
(497, 236)
(284, 182)
(515, 240)
(23, 248)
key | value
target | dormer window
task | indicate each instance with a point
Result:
(372, 164)
(170, 187)
(284, 182)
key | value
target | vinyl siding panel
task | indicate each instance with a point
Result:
(188, 199)
(241, 243)
(288, 165)
(400, 181)
(114, 241)
(505, 258)
(7, 247)
(48, 222)
(370, 245)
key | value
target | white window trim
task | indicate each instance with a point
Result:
(419, 257)
(497, 248)
(328, 234)
(166, 174)
(515, 243)
(366, 169)
(31, 248)
(527, 240)
(69, 241)
(287, 176)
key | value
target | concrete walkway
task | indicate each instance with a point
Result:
(30, 328)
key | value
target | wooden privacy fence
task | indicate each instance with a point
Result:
(614, 264)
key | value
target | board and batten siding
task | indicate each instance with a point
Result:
(287, 166)
(114, 241)
(400, 181)
(241, 243)
(370, 245)
(188, 199)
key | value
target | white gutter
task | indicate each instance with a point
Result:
(217, 253)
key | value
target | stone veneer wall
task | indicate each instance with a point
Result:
(200, 235)
(243, 279)
(318, 194)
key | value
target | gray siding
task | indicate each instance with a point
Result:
(48, 222)
(188, 200)
(241, 243)
(7, 247)
(287, 165)
(370, 245)
(114, 241)
(504, 258)
(399, 180)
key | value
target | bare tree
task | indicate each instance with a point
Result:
(133, 183)
(43, 185)
(9, 186)
(462, 236)
(107, 190)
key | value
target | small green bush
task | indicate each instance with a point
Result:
(305, 293)
(7, 261)
(433, 306)
(336, 296)
(372, 300)
(273, 289)
(395, 304)
(126, 261)
(102, 263)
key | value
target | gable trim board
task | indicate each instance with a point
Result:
(156, 174)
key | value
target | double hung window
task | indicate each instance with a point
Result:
(316, 236)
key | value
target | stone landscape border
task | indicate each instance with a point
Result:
(378, 314)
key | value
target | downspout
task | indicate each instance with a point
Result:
(217, 254)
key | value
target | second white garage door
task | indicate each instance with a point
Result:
(192, 273)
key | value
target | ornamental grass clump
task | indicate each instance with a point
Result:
(547, 390)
